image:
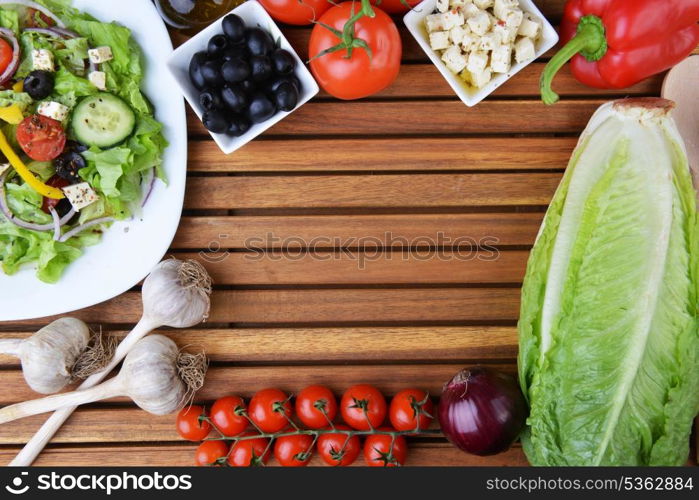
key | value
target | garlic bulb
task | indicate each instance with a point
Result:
(150, 376)
(49, 355)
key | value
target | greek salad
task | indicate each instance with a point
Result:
(79, 144)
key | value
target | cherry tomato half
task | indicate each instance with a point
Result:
(363, 406)
(299, 12)
(381, 450)
(250, 452)
(225, 417)
(337, 450)
(210, 452)
(309, 403)
(293, 451)
(267, 409)
(41, 138)
(6, 54)
(395, 6)
(190, 423)
(46, 203)
(410, 407)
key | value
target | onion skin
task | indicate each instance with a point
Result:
(482, 411)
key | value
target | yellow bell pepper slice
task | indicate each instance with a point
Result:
(12, 114)
(25, 173)
(19, 86)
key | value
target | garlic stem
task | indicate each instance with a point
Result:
(10, 346)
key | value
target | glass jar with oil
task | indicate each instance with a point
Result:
(193, 15)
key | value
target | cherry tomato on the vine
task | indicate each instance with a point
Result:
(191, 424)
(337, 449)
(364, 72)
(268, 408)
(363, 407)
(299, 12)
(395, 6)
(225, 417)
(294, 451)
(210, 452)
(381, 450)
(250, 452)
(309, 403)
(410, 407)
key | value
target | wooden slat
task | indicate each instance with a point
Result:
(327, 306)
(181, 454)
(375, 344)
(215, 233)
(335, 191)
(428, 117)
(445, 153)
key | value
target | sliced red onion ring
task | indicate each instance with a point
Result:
(64, 32)
(5, 209)
(52, 32)
(148, 180)
(83, 227)
(56, 224)
(14, 63)
(34, 5)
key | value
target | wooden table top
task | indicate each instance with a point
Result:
(354, 180)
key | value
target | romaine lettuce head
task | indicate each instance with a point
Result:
(608, 330)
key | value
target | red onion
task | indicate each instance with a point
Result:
(5, 209)
(14, 63)
(52, 32)
(56, 223)
(482, 411)
(34, 5)
(64, 32)
(83, 227)
(149, 181)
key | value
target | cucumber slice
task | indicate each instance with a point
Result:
(102, 120)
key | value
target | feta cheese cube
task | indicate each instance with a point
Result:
(434, 22)
(456, 35)
(501, 59)
(479, 23)
(500, 7)
(477, 61)
(480, 78)
(442, 5)
(100, 54)
(454, 59)
(457, 4)
(42, 59)
(507, 35)
(453, 18)
(80, 195)
(513, 18)
(98, 79)
(469, 42)
(483, 4)
(530, 27)
(469, 10)
(489, 41)
(54, 110)
(439, 40)
(524, 50)
(4, 167)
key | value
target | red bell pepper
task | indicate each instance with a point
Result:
(617, 43)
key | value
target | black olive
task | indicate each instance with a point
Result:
(259, 42)
(217, 45)
(261, 68)
(235, 97)
(233, 27)
(215, 121)
(238, 126)
(195, 73)
(235, 71)
(286, 96)
(261, 109)
(248, 86)
(75, 146)
(211, 71)
(39, 84)
(234, 52)
(283, 62)
(276, 82)
(210, 99)
(63, 207)
(67, 166)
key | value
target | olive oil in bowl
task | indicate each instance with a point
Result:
(193, 15)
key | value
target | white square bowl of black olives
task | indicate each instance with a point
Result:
(241, 76)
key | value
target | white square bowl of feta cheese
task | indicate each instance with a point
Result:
(477, 45)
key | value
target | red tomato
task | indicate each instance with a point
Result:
(378, 451)
(249, 453)
(32, 19)
(293, 451)
(42, 138)
(396, 6)
(309, 403)
(299, 12)
(210, 452)
(6, 54)
(225, 418)
(267, 409)
(337, 450)
(190, 423)
(359, 75)
(363, 405)
(410, 407)
(57, 182)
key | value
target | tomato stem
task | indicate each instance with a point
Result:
(348, 39)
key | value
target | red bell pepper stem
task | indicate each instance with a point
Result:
(589, 41)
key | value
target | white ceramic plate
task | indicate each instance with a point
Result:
(129, 249)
